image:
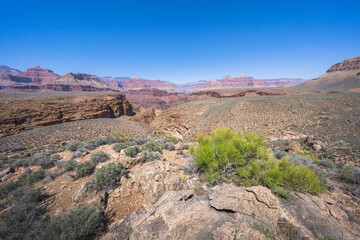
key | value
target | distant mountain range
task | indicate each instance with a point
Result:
(45, 80)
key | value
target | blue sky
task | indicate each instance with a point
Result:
(180, 41)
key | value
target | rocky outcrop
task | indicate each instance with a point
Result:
(24, 114)
(349, 64)
(39, 75)
(224, 212)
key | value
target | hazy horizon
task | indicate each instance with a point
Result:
(180, 42)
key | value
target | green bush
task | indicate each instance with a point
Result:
(84, 169)
(152, 146)
(109, 175)
(99, 157)
(226, 155)
(132, 151)
(80, 223)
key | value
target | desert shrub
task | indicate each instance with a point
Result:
(24, 217)
(109, 175)
(80, 223)
(326, 164)
(139, 140)
(173, 139)
(132, 151)
(169, 146)
(308, 155)
(78, 152)
(31, 177)
(49, 162)
(279, 154)
(119, 137)
(73, 146)
(84, 169)
(70, 165)
(147, 156)
(152, 146)
(348, 173)
(187, 146)
(120, 146)
(52, 175)
(99, 157)
(226, 155)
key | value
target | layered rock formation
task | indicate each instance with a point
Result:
(155, 98)
(39, 75)
(28, 113)
(341, 76)
(10, 71)
(135, 83)
(239, 82)
(349, 64)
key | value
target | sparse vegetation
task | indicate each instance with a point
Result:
(226, 155)
(80, 223)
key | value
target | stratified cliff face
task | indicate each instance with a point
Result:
(349, 64)
(39, 75)
(31, 112)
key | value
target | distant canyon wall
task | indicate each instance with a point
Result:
(30, 112)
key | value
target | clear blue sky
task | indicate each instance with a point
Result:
(180, 41)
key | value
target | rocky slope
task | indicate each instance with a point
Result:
(341, 76)
(168, 198)
(24, 113)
